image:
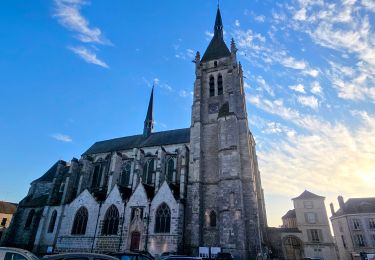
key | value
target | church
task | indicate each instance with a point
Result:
(173, 191)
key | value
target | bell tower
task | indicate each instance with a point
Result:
(225, 205)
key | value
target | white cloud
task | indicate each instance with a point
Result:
(237, 23)
(62, 138)
(311, 72)
(369, 4)
(68, 14)
(263, 84)
(292, 63)
(309, 101)
(88, 56)
(298, 88)
(184, 93)
(316, 88)
(260, 18)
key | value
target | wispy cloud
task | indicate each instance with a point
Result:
(68, 14)
(62, 137)
(298, 88)
(308, 101)
(88, 56)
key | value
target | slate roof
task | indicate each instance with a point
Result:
(50, 174)
(217, 48)
(308, 195)
(177, 136)
(290, 214)
(7, 207)
(357, 205)
(29, 202)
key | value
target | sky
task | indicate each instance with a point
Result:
(73, 72)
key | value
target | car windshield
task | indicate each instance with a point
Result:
(33, 257)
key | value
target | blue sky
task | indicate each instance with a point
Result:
(77, 71)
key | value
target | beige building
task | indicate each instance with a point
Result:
(354, 227)
(7, 210)
(305, 232)
(312, 220)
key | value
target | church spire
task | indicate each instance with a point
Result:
(149, 121)
(217, 48)
(218, 24)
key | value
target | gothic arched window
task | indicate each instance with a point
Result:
(97, 176)
(80, 221)
(220, 85)
(125, 174)
(29, 219)
(148, 172)
(52, 222)
(163, 219)
(212, 219)
(212, 86)
(111, 221)
(169, 169)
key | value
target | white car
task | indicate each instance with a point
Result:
(10, 253)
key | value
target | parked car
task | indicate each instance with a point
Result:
(79, 256)
(182, 257)
(224, 256)
(10, 253)
(132, 256)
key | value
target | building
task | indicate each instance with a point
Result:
(7, 210)
(354, 227)
(175, 190)
(305, 231)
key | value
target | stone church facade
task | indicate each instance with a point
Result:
(175, 190)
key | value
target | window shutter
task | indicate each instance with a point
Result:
(309, 237)
(320, 235)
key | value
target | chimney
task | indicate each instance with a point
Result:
(341, 202)
(332, 209)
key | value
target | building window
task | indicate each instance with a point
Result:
(359, 239)
(310, 217)
(356, 224)
(163, 219)
(343, 241)
(29, 219)
(97, 176)
(314, 235)
(308, 204)
(80, 222)
(340, 226)
(3, 222)
(212, 219)
(371, 223)
(212, 86)
(220, 85)
(52, 222)
(215, 63)
(148, 171)
(111, 221)
(169, 169)
(125, 174)
(373, 239)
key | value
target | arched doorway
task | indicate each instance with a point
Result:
(135, 239)
(292, 248)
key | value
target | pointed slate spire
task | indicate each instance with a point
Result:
(149, 121)
(218, 24)
(217, 48)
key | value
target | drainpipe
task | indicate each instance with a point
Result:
(122, 226)
(148, 224)
(96, 226)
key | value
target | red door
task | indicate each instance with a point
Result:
(134, 244)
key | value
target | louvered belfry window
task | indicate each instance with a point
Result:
(80, 221)
(163, 219)
(52, 222)
(111, 221)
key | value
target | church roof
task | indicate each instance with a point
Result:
(177, 136)
(217, 48)
(7, 207)
(50, 174)
(357, 205)
(308, 195)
